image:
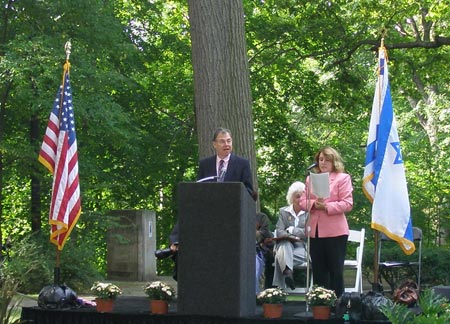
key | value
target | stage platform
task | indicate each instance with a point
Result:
(136, 310)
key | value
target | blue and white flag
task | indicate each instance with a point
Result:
(384, 182)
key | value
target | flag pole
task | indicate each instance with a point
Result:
(384, 181)
(376, 284)
(59, 147)
(57, 270)
(59, 155)
(308, 238)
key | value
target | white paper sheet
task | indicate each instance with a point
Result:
(320, 184)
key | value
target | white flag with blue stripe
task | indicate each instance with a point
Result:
(384, 182)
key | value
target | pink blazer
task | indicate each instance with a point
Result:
(331, 222)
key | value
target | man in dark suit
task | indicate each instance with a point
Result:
(222, 167)
(233, 168)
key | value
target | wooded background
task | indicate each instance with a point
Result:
(310, 67)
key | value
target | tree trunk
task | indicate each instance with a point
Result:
(5, 94)
(36, 222)
(221, 75)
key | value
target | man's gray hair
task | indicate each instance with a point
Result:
(221, 130)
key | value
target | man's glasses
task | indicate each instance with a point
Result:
(223, 142)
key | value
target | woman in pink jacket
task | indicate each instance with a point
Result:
(328, 228)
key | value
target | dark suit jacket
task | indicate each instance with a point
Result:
(173, 237)
(238, 170)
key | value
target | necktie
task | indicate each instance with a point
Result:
(220, 174)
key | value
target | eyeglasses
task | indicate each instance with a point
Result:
(223, 141)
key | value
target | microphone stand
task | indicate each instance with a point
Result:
(308, 229)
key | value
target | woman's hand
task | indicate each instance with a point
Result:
(320, 204)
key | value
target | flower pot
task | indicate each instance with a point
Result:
(272, 310)
(159, 306)
(104, 305)
(321, 312)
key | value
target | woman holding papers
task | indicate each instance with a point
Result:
(327, 223)
(290, 238)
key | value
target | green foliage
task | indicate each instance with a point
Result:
(312, 68)
(32, 263)
(434, 305)
(433, 309)
(78, 266)
(397, 313)
(435, 263)
(9, 302)
(28, 262)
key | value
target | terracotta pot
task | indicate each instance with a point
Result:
(321, 312)
(104, 305)
(159, 306)
(272, 310)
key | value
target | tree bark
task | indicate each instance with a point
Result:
(36, 222)
(221, 76)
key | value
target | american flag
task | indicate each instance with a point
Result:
(59, 155)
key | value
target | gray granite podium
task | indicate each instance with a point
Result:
(216, 258)
(131, 245)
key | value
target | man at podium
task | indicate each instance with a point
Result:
(222, 214)
(224, 165)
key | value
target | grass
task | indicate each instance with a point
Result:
(296, 298)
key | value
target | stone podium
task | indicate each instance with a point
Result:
(216, 257)
(131, 244)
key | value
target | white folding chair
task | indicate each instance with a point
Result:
(356, 237)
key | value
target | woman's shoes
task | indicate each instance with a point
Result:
(289, 278)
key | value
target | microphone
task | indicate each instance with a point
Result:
(312, 166)
(207, 179)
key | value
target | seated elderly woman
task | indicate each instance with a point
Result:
(290, 249)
